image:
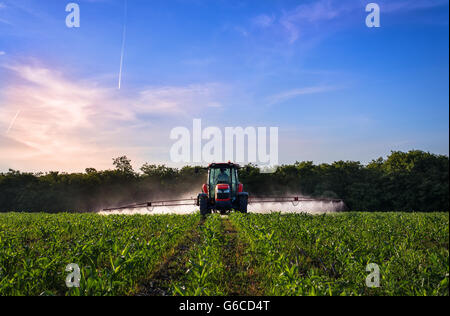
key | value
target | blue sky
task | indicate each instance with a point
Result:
(336, 89)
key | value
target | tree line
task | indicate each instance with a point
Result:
(404, 181)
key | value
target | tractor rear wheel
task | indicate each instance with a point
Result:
(204, 210)
(243, 203)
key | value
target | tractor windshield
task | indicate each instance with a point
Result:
(222, 174)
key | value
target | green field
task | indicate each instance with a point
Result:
(294, 254)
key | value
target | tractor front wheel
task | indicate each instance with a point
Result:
(243, 203)
(203, 203)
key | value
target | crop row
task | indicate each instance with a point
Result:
(113, 253)
(205, 269)
(299, 254)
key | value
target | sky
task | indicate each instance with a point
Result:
(72, 98)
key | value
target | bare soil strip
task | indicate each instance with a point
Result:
(172, 267)
(241, 279)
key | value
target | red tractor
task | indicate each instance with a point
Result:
(223, 192)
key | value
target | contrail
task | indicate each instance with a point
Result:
(13, 121)
(124, 35)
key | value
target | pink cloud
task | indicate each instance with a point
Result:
(69, 125)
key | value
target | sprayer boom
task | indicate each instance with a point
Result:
(295, 200)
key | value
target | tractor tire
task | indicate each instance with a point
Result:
(243, 203)
(204, 210)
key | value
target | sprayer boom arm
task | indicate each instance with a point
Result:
(171, 203)
(252, 200)
(288, 199)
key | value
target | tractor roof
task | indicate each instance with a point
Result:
(226, 165)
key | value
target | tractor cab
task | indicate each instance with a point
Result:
(223, 192)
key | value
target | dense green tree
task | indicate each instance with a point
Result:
(123, 164)
(412, 181)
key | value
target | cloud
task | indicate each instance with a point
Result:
(2, 53)
(215, 105)
(177, 100)
(291, 94)
(3, 6)
(241, 30)
(313, 17)
(69, 124)
(5, 22)
(320, 17)
(263, 20)
(316, 11)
